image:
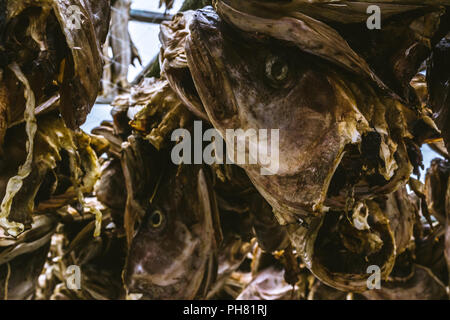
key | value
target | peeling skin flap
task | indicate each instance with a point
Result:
(15, 183)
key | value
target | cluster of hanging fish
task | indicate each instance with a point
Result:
(354, 107)
(50, 70)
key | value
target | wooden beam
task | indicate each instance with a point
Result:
(149, 16)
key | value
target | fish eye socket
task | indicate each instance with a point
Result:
(156, 219)
(277, 69)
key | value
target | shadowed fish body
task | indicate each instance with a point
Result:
(172, 255)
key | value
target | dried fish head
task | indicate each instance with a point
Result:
(173, 254)
(322, 113)
(268, 85)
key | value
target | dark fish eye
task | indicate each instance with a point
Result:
(156, 219)
(277, 69)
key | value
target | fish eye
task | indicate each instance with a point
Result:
(277, 69)
(156, 219)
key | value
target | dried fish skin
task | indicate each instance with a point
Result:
(430, 253)
(332, 11)
(162, 111)
(270, 234)
(22, 258)
(401, 212)
(334, 110)
(66, 149)
(231, 255)
(100, 259)
(435, 189)
(173, 62)
(438, 82)
(437, 193)
(21, 208)
(268, 284)
(310, 35)
(110, 189)
(447, 226)
(107, 132)
(101, 280)
(15, 183)
(321, 291)
(401, 279)
(80, 89)
(173, 255)
(244, 213)
(414, 276)
(338, 252)
(236, 244)
(69, 56)
(29, 264)
(398, 52)
(239, 104)
(48, 187)
(390, 56)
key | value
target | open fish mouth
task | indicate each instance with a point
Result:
(346, 124)
(210, 58)
(336, 121)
